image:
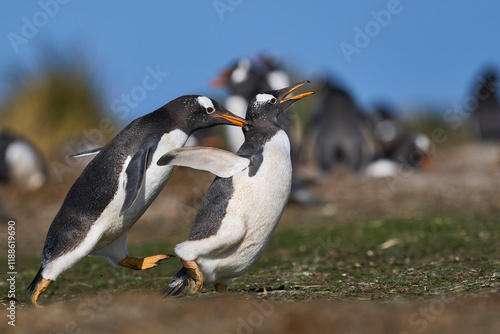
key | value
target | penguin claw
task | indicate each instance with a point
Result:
(195, 286)
(143, 263)
(38, 290)
(195, 279)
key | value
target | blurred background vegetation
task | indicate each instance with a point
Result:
(54, 103)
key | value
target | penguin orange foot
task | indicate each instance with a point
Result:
(38, 289)
(194, 276)
(188, 275)
(119, 185)
(143, 263)
(219, 287)
(244, 204)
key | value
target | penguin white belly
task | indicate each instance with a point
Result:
(255, 209)
(114, 225)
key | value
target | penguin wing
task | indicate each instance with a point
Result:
(135, 172)
(85, 153)
(216, 161)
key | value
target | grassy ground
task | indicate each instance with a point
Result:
(380, 260)
(423, 257)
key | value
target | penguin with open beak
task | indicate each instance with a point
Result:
(117, 187)
(244, 204)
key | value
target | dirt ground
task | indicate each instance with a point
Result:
(466, 178)
(130, 313)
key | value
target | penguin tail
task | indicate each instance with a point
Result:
(38, 278)
(178, 283)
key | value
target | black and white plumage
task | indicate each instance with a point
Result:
(340, 132)
(21, 163)
(400, 148)
(244, 80)
(243, 205)
(118, 185)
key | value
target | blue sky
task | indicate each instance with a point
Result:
(424, 53)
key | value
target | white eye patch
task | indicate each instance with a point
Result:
(205, 102)
(263, 98)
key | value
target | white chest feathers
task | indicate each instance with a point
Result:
(154, 180)
(156, 176)
(252, 215)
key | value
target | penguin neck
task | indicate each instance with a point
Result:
(257, 134)
(161, 117)
(166, 120)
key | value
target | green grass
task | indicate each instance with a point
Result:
(380, 260)
(384, 259)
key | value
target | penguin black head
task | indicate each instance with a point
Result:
(194, 112)
(267, 106)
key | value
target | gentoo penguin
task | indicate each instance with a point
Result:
(486, 112)
(118, 185)
(413, 152)
(21, 163)
(246, 79)
(244, 203)
(401, 149)
(243, 82)
(340, 132)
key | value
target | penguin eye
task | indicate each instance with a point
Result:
(210, 110)
(273, 100)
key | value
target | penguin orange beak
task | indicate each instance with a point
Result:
(296, 97)
(235, 120)
(427, 163)
(222, 79)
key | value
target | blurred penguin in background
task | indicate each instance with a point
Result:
(340, 133)
(244, 79)
(21, 164)
(400, 148)
(485, 118)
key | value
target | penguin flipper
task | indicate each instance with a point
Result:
(216, 161)
(135, 178)
(85, 153)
